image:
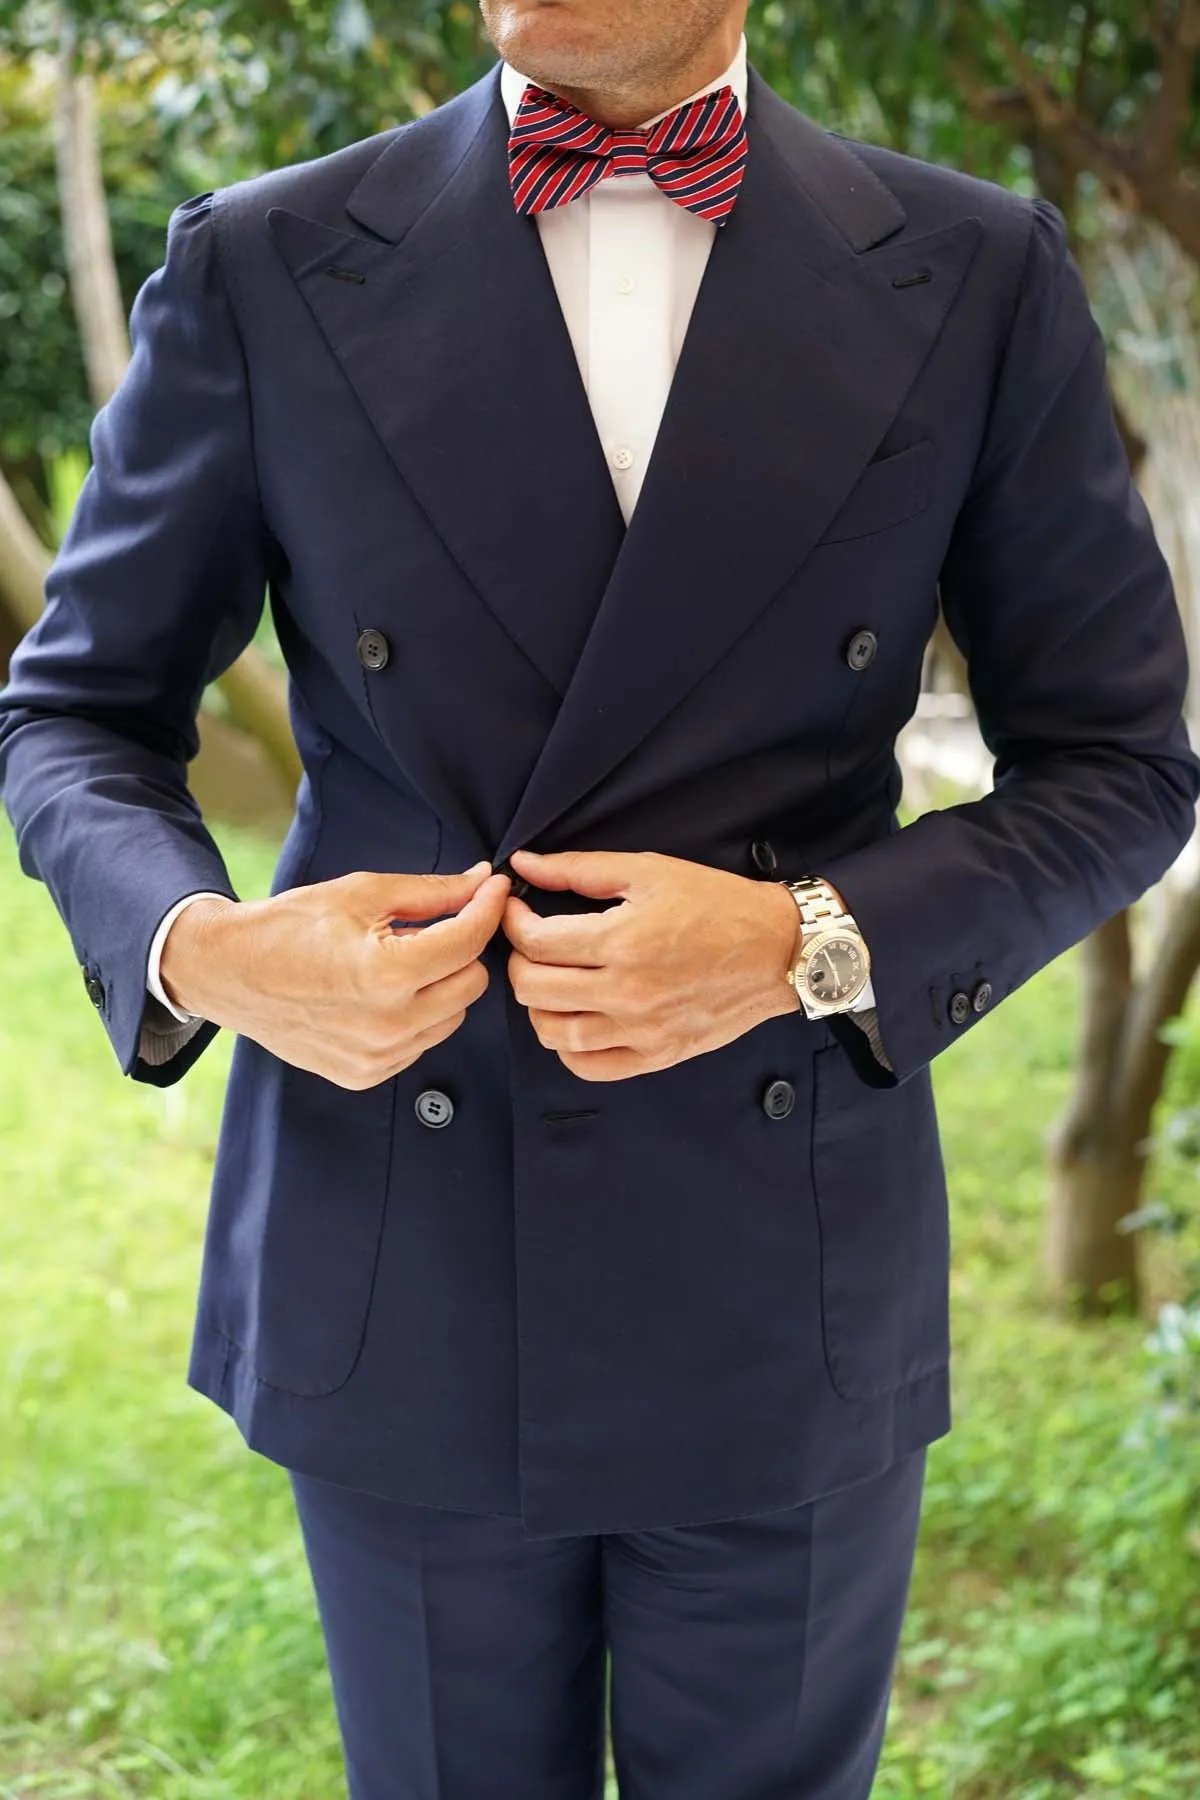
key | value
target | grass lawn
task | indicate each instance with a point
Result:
(157, 1632)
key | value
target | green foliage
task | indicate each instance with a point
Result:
(158, 1637)
(46, 406)
(65, 476)
(267, 82)
(1172, 1214)
(877, 70)
(45, 402)
(189, 99)
(913, 71)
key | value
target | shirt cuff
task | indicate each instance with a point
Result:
(154, 979)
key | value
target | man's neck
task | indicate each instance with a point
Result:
(625, 109)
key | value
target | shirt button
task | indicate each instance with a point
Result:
(622, 457)
(626, 284)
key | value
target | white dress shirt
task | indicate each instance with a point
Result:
(627, 264)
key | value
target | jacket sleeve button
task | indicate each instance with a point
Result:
(434, 1109)
(94, 987)
(763, 856)
(374, 651)
(981, 999)
(960, 1008)
(779, 1100)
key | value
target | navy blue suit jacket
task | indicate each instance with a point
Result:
(647, 1302)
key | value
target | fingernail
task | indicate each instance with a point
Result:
(477, 867)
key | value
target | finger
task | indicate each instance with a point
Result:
(571, 940)
(555, 989)
(442, 998)
(386, 897)
(416, 1047)
(578, 1032)
(604, 874)
(359, 1068)
(450, 944)
(606, 1065)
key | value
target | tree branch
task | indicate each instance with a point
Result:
(1180, 39)
(1160, 995)
(1083, 66)
(1031, 110)
(1077, 141)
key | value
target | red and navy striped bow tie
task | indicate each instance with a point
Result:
(696, 155)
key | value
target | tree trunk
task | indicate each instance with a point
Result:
(10, 636)
(256, 694)
(1093, 1266)
(87, 238)
(947, 666)
(23, 561)
(257, 705)
(233, 782)
(1100, 1150)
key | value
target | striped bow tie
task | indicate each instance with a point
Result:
(696, 155)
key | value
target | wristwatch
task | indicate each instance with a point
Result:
(833, 967)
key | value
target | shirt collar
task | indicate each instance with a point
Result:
(513, 85)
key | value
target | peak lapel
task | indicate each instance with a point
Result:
(799, 355)
(447, 326)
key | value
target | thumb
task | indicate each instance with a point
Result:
(601, 874)
(412, 897)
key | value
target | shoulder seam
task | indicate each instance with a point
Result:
(1030, 214)
(227, 273)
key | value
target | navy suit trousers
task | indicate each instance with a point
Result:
(750, 1659)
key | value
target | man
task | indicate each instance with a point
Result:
(578, 1237)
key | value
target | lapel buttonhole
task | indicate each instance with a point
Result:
(345, 274)
(915, 280)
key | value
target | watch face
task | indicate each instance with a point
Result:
(836, 971)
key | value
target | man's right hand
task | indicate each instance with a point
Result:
(319, 976)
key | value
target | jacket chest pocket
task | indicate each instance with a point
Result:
(880, 1189)
(889, 491)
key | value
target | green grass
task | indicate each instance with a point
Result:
(157, 1632)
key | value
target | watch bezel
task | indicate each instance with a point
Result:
(839, 933)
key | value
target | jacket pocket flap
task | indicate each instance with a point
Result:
(887, 493)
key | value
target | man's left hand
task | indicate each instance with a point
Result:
(692, 958)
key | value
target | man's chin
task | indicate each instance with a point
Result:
(554, 52)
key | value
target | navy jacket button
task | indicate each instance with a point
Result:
(861, 651)
(779, 1100)
(520, 887)
(374, 651)
(434, 1108)
(763, 856)
(960, 1008)
(981, 999)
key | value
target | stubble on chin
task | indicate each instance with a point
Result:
(548, 43)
